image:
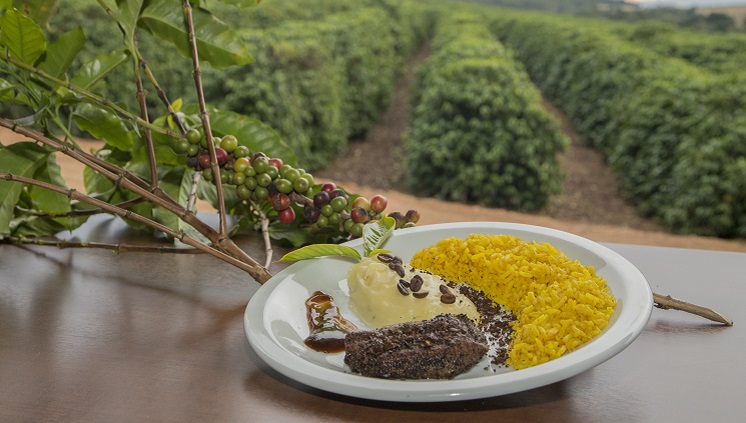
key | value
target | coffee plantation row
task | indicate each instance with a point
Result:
(716, 52)
(673, 132)
(480, 133)
(323, 69)
(670, 122)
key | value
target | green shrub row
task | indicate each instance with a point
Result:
(716, 52)
(479, 132)
(320, 82)
(324, 69)
(674, 133)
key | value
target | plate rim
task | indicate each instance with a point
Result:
(453, 389)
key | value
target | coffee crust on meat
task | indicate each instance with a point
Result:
(439, 348)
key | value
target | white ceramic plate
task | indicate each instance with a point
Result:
(275, 320)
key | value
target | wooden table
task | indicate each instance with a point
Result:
(90, 336)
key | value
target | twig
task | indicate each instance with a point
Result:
(91, 96)
(192, 199)
(259, 273)
(205, 117)
(79, 213)
(141, 61)
(666, 302)
(264, 220)
(80, 155)
(144, 115)
(161, 94)
(116, 248)
(132, 182)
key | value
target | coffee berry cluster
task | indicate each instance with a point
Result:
(291, 191)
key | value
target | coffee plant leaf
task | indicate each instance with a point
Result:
(98, 68)
(177, 183)
(103, 124)
(60, 54)
(22, 159)
(128, 13)
(22, 37)
(252, 133)
(218, 44)
(44, 199)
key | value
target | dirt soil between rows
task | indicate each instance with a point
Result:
(590, 204)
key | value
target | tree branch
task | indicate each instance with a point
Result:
(121, 176)
(668, 303)
(144, 115)
(80, 213)
(192, 198)
(259, 273)
(205, 117)
(91, 96)
(116, 248)
(161, 93)
(268, 251)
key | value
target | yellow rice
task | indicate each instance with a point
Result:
(559, 303)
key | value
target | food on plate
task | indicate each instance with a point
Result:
(438, 348)
(384, 291)
(559, 303)
(528, 300)
(327, 325)
(494, 321)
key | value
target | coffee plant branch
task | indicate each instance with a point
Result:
(144, 115)
(666, 302)
(256, 271)
(80, 213)
(205, 117)
(104, 102)
(49, 87)
(124, 178)
(224, 249)
(191, 201)
(116, 248)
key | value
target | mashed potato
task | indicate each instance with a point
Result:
(377, 301)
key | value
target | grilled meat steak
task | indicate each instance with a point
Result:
(439, 348)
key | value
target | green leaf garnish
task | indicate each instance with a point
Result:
(375, 234)
(378, 251)
(321, 250)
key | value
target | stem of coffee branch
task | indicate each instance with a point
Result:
(223, 247)
(115, 248)
(110, 105)
(666, 302)
(205, 117)
(259, 273)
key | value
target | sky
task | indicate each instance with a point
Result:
(690, 3)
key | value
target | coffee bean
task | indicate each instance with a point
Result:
(386, 258)
(448, 298)
(416, 283)
(398, 268)
(420, 294)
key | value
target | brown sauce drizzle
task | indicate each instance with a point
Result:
(328, 326)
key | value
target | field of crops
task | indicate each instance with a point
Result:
(665, 106)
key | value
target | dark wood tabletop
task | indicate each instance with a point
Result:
(91, 336)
